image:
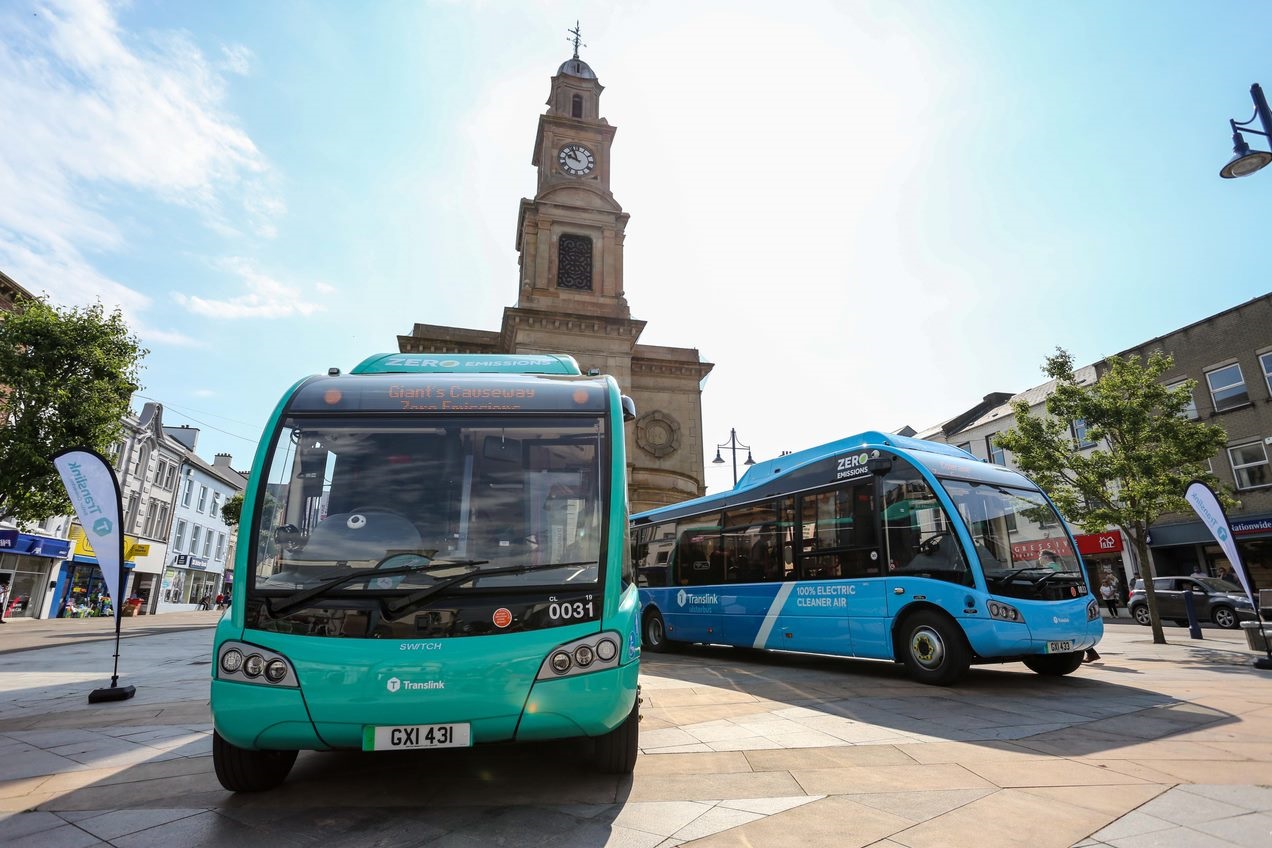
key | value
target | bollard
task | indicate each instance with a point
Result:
(1194, 629)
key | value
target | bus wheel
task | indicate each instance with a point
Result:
(241, 770)
(934, 651)
(1055, 665)
(616, 751)
(654, 633)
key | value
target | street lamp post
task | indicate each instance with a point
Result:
(1244, 160)
(733, 445)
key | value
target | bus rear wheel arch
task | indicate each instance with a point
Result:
(244, 770)
(932, 647)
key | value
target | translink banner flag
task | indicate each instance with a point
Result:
(1211, 513)
(90, 481)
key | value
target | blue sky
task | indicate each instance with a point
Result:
(865, 214)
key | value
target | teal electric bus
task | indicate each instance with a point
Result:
(875, 546)
(433, 552)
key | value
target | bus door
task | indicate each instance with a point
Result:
(926, 561)
(840, 594)
(692, 612)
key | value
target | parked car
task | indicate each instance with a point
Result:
(1214, 600)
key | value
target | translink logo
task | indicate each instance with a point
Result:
(683, 598)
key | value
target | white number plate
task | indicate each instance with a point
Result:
(1059, 647)
(416, 736)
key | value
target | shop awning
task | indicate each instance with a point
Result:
(11, 541)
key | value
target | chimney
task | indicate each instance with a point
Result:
(222, 460)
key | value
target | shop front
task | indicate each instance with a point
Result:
(189, 582)
(80, 590)
(1104, 555)
(26, 562)
(1189, 548)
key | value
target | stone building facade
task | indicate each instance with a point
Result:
(571, 296)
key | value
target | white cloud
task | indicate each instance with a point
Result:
(266, 297)
(102, 109)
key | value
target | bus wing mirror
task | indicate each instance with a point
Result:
(879, 465)
(629, 409)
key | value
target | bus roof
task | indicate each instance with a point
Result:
(941, 459)
(467, 363)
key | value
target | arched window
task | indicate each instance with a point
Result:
(576, 107)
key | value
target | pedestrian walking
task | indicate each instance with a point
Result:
(1109, 593)
(4, 600)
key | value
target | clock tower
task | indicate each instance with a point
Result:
(571, 298)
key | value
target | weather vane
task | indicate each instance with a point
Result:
(577, 39)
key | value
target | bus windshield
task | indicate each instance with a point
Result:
(1019, 538)
(418, 503)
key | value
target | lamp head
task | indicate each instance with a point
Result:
(1244, 160)
(719, 460)
(749, 461)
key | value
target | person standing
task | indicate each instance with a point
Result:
(1109, 593)
(4, 600)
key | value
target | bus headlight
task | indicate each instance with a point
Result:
(244, 663)
(232, 660)
(597, 652)
(1003, 612)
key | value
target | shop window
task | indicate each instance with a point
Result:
(189, 489)
(1250, 465)
(203, 498)
(207, 544)
(1227, 387)
(220, 546)
(195, 533)
(178, 543)
(152, 513)
(1266, 361)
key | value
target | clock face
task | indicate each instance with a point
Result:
(576, 160)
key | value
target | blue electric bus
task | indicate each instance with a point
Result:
(875, 546)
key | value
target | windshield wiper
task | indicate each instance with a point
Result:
(395, 609)
(305, 595)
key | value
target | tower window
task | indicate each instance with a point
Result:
(574, 263)
(576, 106)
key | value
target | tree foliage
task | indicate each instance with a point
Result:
(232, 510)
(1147, 449)
(67, 376)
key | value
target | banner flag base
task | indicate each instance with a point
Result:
(112, 693)
(1264, 663)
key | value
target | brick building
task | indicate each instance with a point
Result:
(1229, 355)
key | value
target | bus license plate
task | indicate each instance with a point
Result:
(416, 736)
(1059, 647)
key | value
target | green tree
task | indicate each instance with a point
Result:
(1147, 450)
(67, 376)
(232, 511)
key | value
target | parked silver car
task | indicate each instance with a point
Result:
(1214, 600)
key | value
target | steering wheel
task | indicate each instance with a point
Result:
(929, 545)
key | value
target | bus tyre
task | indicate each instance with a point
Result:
(241, 770)
(1055, 665)
(654, 633)
(616, 751)
(933, 649)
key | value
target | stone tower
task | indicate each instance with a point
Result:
(571, 296)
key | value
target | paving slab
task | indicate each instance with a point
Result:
(1155, 745)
